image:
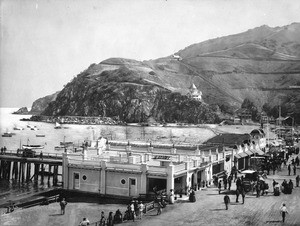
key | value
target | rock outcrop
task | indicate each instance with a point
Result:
(22, 111)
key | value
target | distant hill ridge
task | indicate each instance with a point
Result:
(227, 70)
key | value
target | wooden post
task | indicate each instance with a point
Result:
(5, 170)
(49, 175)
(28, 173)
(20, 172)
(36, 171)
(15, 171)
(8, 169)
(42, 174)
(55, 175)
(23, 171)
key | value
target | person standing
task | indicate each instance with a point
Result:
(243, 194)
(257, 188)
(132, 210)
(226, 201)
(171, 196)
(229, 182)
(141, 209)
(219, 186)
(283, 211)
(297, 181)
(63, 204)
(159, 207)
(274, 183)
(102, 219)
(110, 219)
(225, 182)
(289, 169)
(294, 169)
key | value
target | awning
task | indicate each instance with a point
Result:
(259, 152)
(249, 153)
(237, 156)
(243, 154)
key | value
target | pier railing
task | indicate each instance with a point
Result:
(37, 154)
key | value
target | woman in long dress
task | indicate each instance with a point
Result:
(171, 196)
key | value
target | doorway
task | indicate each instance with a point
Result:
(132, 187)
(76, 182)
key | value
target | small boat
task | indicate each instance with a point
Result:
(18, 128)
(7, 134)
(59, 148)
(66, 143)
(40, 135)
(57, 126)
(33, 146)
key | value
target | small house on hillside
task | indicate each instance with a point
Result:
(244, 114)
(194, 93)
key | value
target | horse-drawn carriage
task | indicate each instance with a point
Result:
(252, 179)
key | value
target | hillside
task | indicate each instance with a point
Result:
(260, 64)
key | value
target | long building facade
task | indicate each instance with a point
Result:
(131, 173)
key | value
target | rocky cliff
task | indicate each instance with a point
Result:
(41, 104)
(261, 64)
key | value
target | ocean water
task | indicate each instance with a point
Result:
(77, 134)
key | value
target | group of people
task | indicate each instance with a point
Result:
(287, 187)
(134, 210)
(113, 218)
(227, 180)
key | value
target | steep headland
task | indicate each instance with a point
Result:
(261, 64)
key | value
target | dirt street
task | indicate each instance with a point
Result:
(209, 209)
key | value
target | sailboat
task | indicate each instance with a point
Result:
(57, 126)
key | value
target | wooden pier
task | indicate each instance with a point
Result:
(17, 167)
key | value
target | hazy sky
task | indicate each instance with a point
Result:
(44, 43)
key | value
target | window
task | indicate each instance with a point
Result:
(123, 181)
(84, 177)
(132, 181)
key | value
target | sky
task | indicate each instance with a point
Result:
(45, 43)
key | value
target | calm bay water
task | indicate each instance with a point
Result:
(77, 134)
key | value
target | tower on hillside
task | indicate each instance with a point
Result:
(195, 93)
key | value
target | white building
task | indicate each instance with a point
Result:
(195, 93)
(130, 172)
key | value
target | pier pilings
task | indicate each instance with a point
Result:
(25, 169)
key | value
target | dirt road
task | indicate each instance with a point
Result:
(209, 209)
